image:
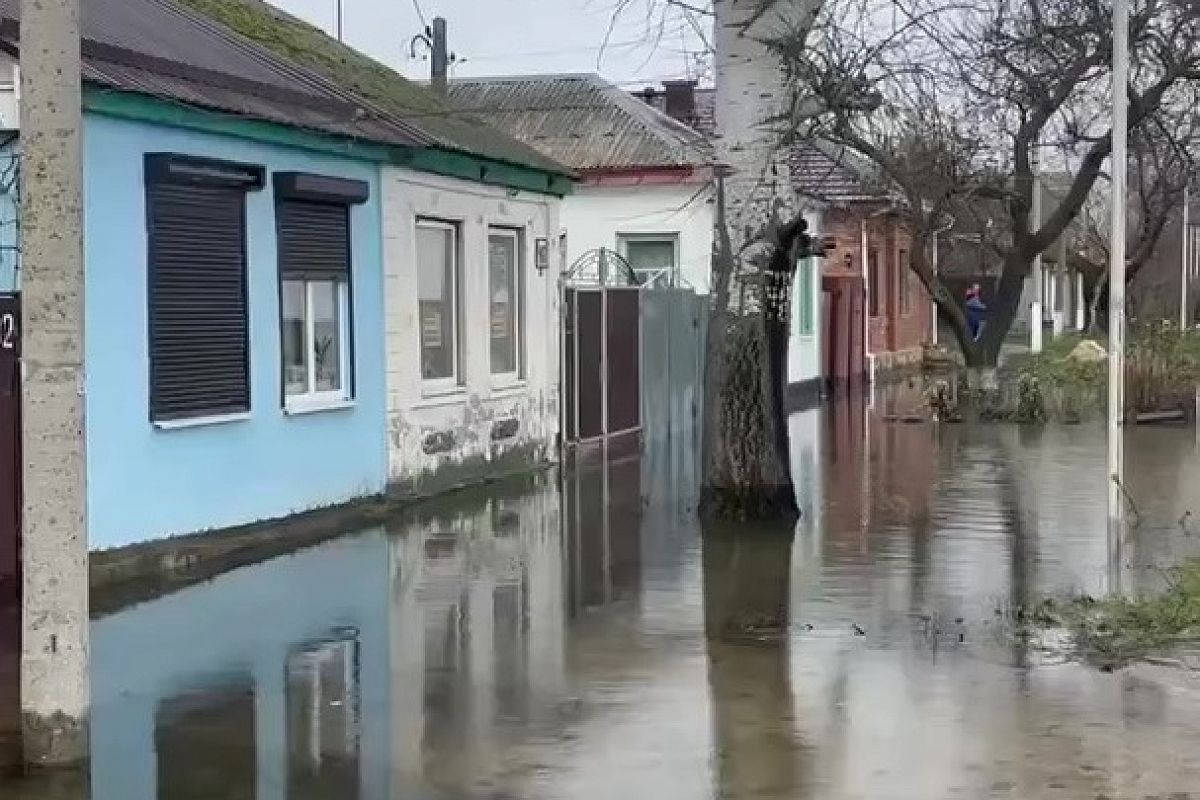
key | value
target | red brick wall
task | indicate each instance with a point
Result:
(899, 325)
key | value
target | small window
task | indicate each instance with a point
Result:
(505, 301)
(804, 297)
(877, 288)
(653, 257)
(313, 224)
(438, 280)
(198, 315)
(905, 283)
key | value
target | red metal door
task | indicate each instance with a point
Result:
(10, 446)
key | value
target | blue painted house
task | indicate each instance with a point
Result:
(234, 262)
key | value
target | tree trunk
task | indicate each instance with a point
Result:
(747, 470)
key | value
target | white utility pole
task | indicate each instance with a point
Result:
(1035, 224)
(933, 266)
(54, 546)
(1185, 256)
(339, 20)
(1116, 279)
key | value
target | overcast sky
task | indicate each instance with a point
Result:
(513, 37)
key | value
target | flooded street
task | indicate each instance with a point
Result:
(579, 637)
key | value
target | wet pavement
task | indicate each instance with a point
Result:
(581, 637)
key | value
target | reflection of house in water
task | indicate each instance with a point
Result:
(426, 655)
(303, 676)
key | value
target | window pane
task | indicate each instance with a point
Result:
(326, 344)
(295, 351)
(435, 288)
(503, 298)
(651, 256)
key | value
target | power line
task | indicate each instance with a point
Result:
(420, 13)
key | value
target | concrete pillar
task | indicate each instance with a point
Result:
(54, 656)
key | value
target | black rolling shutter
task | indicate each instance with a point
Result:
(314, 240)
(199, 330)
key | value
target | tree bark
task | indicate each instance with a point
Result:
(747, 472)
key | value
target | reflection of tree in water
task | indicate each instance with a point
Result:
(746, 589)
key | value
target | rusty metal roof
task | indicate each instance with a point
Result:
(582, 121)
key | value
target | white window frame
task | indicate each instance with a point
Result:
(455, 382)
(623, 240)
(313, 400)
(502, 379)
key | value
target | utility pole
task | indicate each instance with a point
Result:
(1035, 224)
(339, 20)
(439, 61)
(1185, 256)
(1116, 282)
(54, 556)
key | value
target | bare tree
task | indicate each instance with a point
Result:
(975, 93)
(1161, 161)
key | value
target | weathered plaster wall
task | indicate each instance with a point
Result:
(439, 438)
(145, 483)
(594, 217)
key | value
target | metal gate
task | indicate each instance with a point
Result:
(602, 363)
(10, 445)
(602, 350)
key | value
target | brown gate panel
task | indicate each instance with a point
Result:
(589, 333)
(624, 360)
(569, 366)
(10, 446)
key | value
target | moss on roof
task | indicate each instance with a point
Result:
(412, 104)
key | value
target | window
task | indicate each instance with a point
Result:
(504, 301)
(876, 288)
(198, 316)
(652, 256)
(438, 290)
(312, 215)
(804, 297)
(905, 283)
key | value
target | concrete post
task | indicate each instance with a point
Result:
(54, 654)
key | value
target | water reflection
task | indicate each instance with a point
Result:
(582, 637)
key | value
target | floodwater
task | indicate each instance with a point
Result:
(579, 637)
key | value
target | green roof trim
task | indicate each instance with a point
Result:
(406, 101)
(147, 108)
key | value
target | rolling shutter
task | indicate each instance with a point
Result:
(199, 331)
(314, 240)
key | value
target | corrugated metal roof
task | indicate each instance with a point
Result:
(383, 90)
(247, 58)
(155, 48)
(581, 121)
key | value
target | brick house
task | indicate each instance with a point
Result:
(869, 265)
(874, 314)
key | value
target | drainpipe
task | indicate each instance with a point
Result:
(868, 356)
(1184, 259)
(934, 267)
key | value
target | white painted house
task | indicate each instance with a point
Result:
(644, 178)
(472, 332)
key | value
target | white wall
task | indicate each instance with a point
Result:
(594, 216)
(414, 411)
(804, 352)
